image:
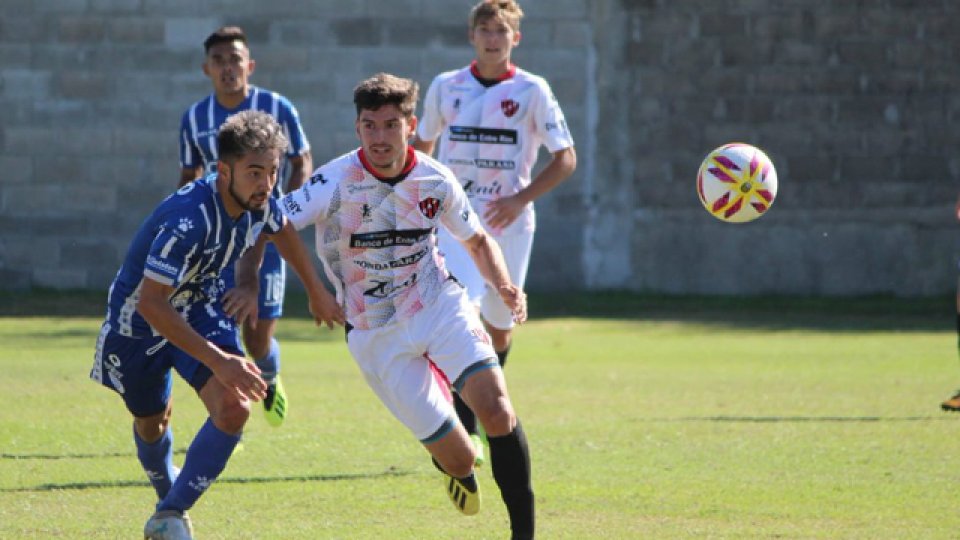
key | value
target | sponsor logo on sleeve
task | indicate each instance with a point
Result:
(162, 266)
(291, 206)
(318, 178)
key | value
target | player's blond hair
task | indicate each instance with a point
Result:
(386, 89)
(507, 10)
(249, 132)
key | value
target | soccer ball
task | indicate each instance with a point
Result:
(737, 183)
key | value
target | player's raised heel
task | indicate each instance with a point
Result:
(275, 404)
(168, 525)
(464, 493)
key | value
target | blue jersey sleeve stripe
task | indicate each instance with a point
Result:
(159, 278)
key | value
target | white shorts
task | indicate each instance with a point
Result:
(516, 252)
(396, 360)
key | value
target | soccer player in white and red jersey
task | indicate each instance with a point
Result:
(228, 65)
(410, 326)
(489, 120)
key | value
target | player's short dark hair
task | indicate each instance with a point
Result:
(386, 89)
(249, 132)
(508, 10)
(224, 34)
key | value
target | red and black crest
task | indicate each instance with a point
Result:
(509, 107)
(429, 207)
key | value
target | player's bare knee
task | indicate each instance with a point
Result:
(231, 417)
(498, 421)
(151, 428)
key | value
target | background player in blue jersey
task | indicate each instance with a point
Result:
(169, 307)
(229, 66)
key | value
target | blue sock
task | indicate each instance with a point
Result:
(206, 459)
(157, 461)
(270, 364)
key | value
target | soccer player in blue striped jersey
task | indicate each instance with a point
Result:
(169, 308)
(228, 65)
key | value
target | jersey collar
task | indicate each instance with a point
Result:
(411, 162)
(475, 71)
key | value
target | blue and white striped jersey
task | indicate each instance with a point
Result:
(200, 123)
(186, 243)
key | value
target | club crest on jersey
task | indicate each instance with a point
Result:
(429, 207)
(509, 107)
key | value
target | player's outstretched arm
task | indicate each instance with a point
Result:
(323, 305)
(242, 378)
(487, 256)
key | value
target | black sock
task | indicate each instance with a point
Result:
(502, 355)
(510, 460)
(467, 418)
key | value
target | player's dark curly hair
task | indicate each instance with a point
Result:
(224, 34)
(386, 89)
(508, 10)
(249, 132)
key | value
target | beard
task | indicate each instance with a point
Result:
(249, 204)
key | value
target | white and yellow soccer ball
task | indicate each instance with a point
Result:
(737, 183)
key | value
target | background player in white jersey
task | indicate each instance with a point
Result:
(489, 120)
(169, 307)
(410, 326)
(229, 66)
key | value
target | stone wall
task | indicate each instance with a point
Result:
(854, 101)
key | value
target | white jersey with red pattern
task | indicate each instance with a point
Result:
(489, 134)
(376, 237)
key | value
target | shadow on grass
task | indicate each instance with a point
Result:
(880, 313)
(799, 419)
(228, 480)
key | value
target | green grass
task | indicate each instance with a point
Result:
(654, 417)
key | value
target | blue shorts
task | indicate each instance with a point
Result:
(138, 368)
(273, 280)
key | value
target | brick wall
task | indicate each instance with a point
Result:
(854, 101)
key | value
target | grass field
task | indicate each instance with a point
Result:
(647, 418)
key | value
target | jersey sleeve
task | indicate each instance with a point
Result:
(549, 122)
(431, 122)
(308, 204)
(274, 218)
(189, 153)
(290, 120)
(178, 242)
(458, 216)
